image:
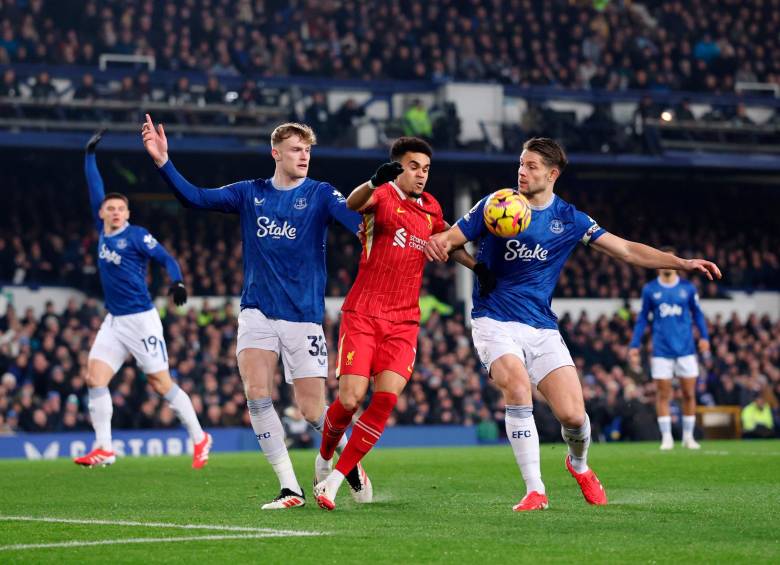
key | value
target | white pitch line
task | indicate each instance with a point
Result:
(74, 544)
(224, 528)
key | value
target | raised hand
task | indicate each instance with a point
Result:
(155, 142)
(386, 173)
(94, 140)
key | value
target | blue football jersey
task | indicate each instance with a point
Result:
(283, 232)
(528, 265)
(674, 309)
(123, 256)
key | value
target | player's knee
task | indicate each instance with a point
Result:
(572, 418)
(311, 411)
(516, 391)
(94, 381)
(350, 401)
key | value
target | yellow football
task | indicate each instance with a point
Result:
(507, 213)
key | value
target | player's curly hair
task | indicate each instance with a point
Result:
(552, 153)
(289, 129)
(404, 145)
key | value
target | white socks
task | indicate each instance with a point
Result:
(522, 434)
(320, 423)
(270, 434)
(578, 440)
(332, 484)
(182, 407)
(665, 425)
(100, 411)
(687, 429)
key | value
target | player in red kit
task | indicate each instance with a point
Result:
(381, 314)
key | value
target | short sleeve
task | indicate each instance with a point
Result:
(472, 224)
(379, 195)
(588, 228)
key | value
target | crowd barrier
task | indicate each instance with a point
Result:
(136, 443)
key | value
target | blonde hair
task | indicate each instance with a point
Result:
(290, 129)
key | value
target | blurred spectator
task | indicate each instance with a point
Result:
(317, 116)
(417, 122)
(757, 419)
(344, 123)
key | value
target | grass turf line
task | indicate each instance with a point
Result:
(431, 505)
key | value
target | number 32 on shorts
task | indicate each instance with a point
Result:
(318, 346)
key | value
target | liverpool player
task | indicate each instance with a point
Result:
(380, 316)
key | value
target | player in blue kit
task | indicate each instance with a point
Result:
(674, 304)
(132, 325)
(514, 329)
(284, 222)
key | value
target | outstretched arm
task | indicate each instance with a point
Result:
(639, 329)
(337, 208)
(701, 322)
(441, 244)
(94, 181)
(224, 199)
(651, 258)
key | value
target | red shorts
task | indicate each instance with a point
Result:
(368, 346)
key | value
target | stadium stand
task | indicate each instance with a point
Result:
(43, 363)
(704, 45)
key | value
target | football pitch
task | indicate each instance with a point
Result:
(454, 505)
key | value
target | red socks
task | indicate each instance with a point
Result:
(337, 420)
(366, 431)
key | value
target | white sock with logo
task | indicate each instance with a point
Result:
(319, 424)
(524, 439)
(688, 423)
(270, 434)
(665, 425)
(578, 440)
(182, 406)
(100, 411)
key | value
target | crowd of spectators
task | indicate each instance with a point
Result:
(55, 243)
(43, 363)
(702, 45)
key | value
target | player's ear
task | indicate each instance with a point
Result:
(275, 154)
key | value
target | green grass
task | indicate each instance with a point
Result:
(453, 505)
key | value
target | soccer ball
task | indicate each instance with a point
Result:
(507, 213)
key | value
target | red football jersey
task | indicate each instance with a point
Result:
(392, 262)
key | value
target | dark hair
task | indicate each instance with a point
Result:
(552, 153)
(405, 145)
(115, 196)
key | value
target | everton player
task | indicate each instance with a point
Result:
(381, 314)
(674, 305)
(514, 329)
(284, 222)
(132, 325)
